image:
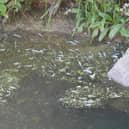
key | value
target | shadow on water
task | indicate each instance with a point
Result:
(35, 106)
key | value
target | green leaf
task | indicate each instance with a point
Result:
(18, 6)
(81, 27)
(103, 34)
(105, 16)
(96, 24)
(95, 33)
(2, 10)
(114, 30)
(103, 23)
(74, 10)
(124, 32)
(2, 1)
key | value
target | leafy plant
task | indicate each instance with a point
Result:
(2, 8)
(15, 5)
(100, 17)
(10, 6)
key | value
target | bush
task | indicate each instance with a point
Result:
(101, 17)
(2, 8)
(13, 6)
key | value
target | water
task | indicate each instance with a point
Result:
(35, 106)
(39, 74)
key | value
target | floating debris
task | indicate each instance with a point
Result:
(87, 70)
(2, 50)
(17, 36)
(74, 42)
(9, 81)
(91, 97)
(37, 51)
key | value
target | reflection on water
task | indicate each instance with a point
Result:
(35, 106)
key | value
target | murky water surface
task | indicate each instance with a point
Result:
(35, 73)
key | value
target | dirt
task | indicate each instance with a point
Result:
(31, 21)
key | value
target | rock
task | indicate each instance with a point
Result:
(120, 71)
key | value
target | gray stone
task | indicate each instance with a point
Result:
(120, 71)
